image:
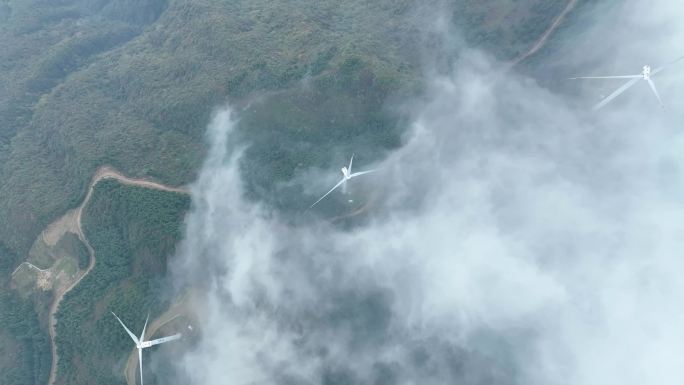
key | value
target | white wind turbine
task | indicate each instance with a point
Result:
(346, 175)
(646, 74)
(142, 344)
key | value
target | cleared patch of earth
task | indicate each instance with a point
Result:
(57, 229)
(28, 278)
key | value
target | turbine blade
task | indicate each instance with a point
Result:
(142, 336)
(164, 339)
(350, 163)
(655, 91)
(331, 190)
(616, 93)
(140, 364)
(608, 77)
(655, 71)
(135, 339)
(361, 173)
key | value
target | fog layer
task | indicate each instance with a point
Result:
(514, 238)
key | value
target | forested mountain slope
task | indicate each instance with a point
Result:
(132, 84)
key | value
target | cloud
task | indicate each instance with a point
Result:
(519, 239)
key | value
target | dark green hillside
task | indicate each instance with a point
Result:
(133, 230)
(318, 124)
(42, 43)
(84, 83)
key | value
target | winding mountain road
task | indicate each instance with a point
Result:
(541, 42)
(104, 172)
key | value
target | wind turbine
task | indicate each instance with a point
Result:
(142, 344)
(646, 74)
(346, 175)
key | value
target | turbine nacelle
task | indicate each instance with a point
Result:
(646, 72)
(345, 172)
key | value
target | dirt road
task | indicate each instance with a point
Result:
(541, 42)
(102, 173)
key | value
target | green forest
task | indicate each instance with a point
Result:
(133, 84)
(133, 231)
